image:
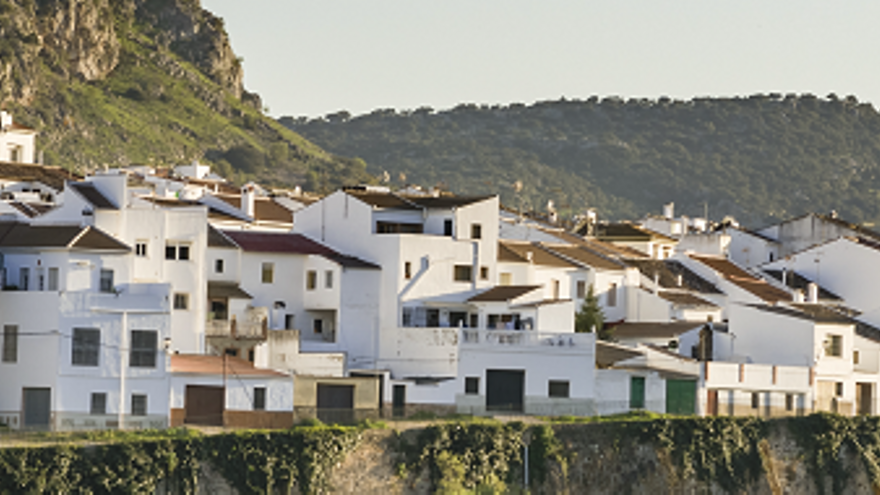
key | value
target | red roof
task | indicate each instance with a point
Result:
(269, 242)
(213, 365)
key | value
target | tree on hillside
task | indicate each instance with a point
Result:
(590, 317)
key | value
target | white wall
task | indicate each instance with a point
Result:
(239, 390)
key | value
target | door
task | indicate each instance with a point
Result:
(398, 399)
(712, 403)
(504, 390)
(864, 397)
(335, 403)
(37, 405)
(203, 405)
(637, 392)
(681, 396)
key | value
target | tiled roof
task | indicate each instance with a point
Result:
(502, 293)
(608, 353)
(600, 247)
(53, 177)
(446, 201)
(202, 364)
(685, 299)
(628, 231)
(91, 194)
(797, 281)
(583, 255)
(270, 242)
(57, 236)
(383, 199)
(743, 279)
(519, 252)
(265, 209)
(217, 238)
(227, 289)
(649, 330)
(667, 272)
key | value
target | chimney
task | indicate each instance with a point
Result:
(529, 256)
(5, 120)
(797, 296)
(678, 279)
(656, 282)
(784, 277)
(669, 210)
(248, 194)
(812, 293)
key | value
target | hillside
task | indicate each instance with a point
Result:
(115, 82)
(759, 158)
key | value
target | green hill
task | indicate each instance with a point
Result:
(115, 82)
(759, 158)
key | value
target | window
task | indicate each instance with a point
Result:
(318, 326)
(10, 343)
(268, 273)
(789, 402)
(15, 154)
(476, 231)
(463, 273)
(99, 403)
(86, 343)
(581, 289)
(834, 346)
(24, 276)
(181, 300)
(53, 278)
(176, 251)
(328, 279)
(407, 317)
(259, 398)
(143, 348)
(472, 385)
(41, 280)
(484, 273)
(218, 266)
(855, 357)
(838, 389)
(558, 389)
(611, 297)
(138, 405)
(756, 400)
(447, 227)
(505, 279)
(311, 279)
(140, 249)
(407, 270)
(398, 228)
(106, 284)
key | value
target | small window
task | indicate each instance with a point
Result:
(447, 227)
(838, 389)
(318, 326)
(218, 266)
(311, 280)
(138, 405)
(855, 357)
(86, 344)
(611, 297)
(581, 289)
(24, 277)
(53, 278)
(463, 273)
(472, 385)
(99, 403)
(756, 400)
(259, 398)
(476, 231)
(170, 252)
(407, 270)
(484, 273)
(183, 252)
(10, 343)
(328, 279)
(789, 402)
(834, 346)
(407, 317)
(181, 300)
(144, 345)
(268, 273)
(140, 249)
(106, 284)
(558, 389)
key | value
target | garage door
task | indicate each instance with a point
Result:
(37, 407)
(504, 390)
(681, 396)
(204, 405)
(335, 403)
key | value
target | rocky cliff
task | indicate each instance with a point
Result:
(114, 82)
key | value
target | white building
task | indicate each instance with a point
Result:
(16, 141)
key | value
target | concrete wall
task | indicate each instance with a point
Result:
(239, 390)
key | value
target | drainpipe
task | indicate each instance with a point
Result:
(123, 365)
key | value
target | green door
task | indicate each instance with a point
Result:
(637, 392)
(681, 396)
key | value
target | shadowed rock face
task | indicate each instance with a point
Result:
(80, 39)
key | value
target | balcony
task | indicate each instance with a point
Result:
(253, 326)
(520, 338)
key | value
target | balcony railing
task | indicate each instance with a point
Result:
(253, 326)
(474, 336)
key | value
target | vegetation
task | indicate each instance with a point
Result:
(590, 318)
(165, 99)
(759, 158)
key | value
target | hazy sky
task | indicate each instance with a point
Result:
(319, 56)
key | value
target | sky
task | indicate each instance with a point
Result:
(314, 57)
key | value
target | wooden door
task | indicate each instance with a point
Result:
(204, 405)
(335, 403)
(504, 390)
(712, 403)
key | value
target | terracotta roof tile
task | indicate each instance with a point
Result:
(214, 365)
(743, 279)
(272, 242)
(502, 293)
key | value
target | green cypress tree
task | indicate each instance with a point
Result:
(590, 316)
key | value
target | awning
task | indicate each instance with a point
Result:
(229, 290)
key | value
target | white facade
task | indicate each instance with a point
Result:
(16, 142)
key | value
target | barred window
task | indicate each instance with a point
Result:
(86, 343)
(143, 348)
